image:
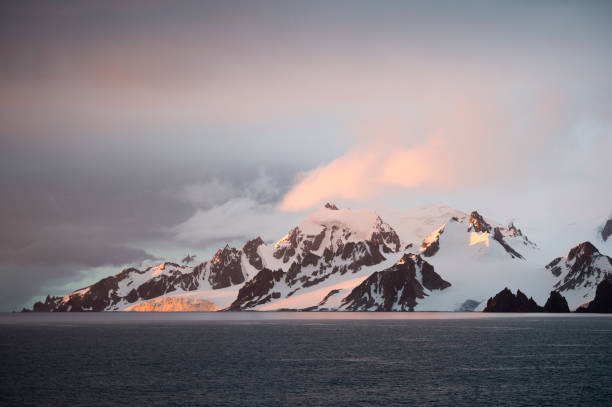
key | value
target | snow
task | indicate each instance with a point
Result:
(157, 270)
(248, 271)
(585, 290)
(361, 222)
(80, 292)
(415, 224)
(312, 296)
(476, 238)
(478, 268)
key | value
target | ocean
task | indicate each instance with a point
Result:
(305, 359)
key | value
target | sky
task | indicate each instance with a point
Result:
(139, 130)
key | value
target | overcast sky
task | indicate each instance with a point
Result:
(144, 130)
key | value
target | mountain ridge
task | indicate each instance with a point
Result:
(323, 259)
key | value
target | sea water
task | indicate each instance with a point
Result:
(312, 359)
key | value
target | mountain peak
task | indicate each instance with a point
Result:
(584, 249)
(478, 224)
(506, 301)
(256, 242)
(223, 254)
(360, 223)
(514, 230)
(331, 206)
(581, 270)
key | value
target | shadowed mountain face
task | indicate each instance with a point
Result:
(258, 291)
(556, 303)
(505, 301)
(603, 299)
(396, 288)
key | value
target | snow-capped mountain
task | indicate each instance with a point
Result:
(481, 234)
(331, 246)
(477, 255)
(394, 289)
(426, 258)
(579, 272)
(227, 268)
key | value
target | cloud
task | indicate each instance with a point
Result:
(238, 219)
(469, 140)
(207, 194)
(58, 265)
(71, 251)
(232, 211)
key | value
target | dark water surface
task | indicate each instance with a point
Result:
(312, 359)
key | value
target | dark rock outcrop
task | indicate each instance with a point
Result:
(396, 288)
(583, 253)
(606, 231)
(48, 306)
(506, 301)
(554, 266)
(431, 248)
(602, 303)
(321, 305)
(226, 268)
(478, 224)
(258, 291)
(331, 206)
(250, 251)
(497, 236)
(513, 230)
(556, 303)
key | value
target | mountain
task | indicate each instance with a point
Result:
(505, 301)
(556, 303)
(579, 272)
(474, 253)
(332, 248)
(425, 258)
(227, 268)
(480, 231)
(602, 303)
(396, 288)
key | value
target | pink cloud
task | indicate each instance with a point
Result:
(462, 141)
